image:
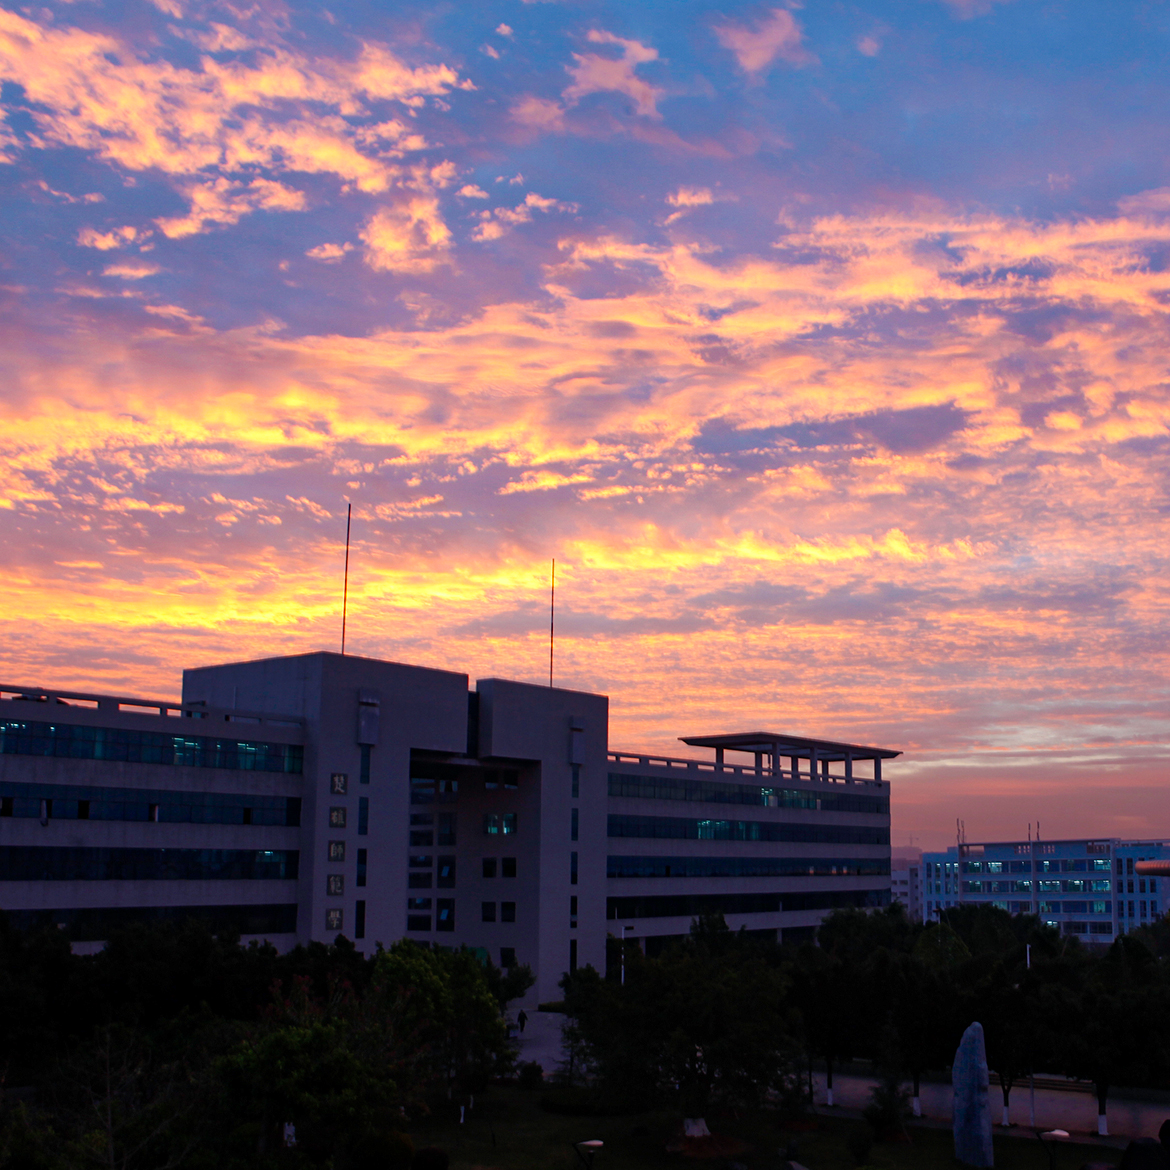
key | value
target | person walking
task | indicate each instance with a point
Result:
(522, 1019)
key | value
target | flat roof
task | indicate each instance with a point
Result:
(801, 746)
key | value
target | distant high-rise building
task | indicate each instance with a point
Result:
(1086, 888)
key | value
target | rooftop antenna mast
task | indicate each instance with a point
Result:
(552, 618)
(345, 586)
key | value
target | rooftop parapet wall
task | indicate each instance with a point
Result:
(37, 704)
(731, 772)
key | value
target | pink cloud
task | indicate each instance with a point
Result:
(594, 73)
(778, 36)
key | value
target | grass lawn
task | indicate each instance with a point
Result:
(527, 1138)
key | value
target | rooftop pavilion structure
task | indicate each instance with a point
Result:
(796, 749)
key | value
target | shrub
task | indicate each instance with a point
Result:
(430, 1158)
(530, 1075)
(860, 1142)
(575, 1101)
(387, 1150)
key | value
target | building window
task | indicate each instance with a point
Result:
(80, 742)
(23, 863)
(419, 881)
(572, 955)
(418, 922)
(495, 824)
(488, 912)
(507, 911)
(336, 850)
(334, 920)
(507, 957)
(445, 914)
(418, 903)
(573, 868)
(681, 867)
(576, 781)
(339, 783)
(494, 777)
(359, 919)
(508, 866)
(420, 861)
(335, 884)
(363, 816)
(337, 818)
(364, 775)
(573, 825)
(446, 829)
(683, 828)
(489, 867)
(446, 878)
(363, 856)
(422, 837)
(573, 912)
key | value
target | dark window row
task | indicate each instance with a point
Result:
(507, 867)
(446, 777)
(36, 863)
(706, 867)
(507, 911)
(693, 905)
(90, 803)
(75, 741)
(423, 829)
(444, 878)
(686, 829)
(92, 924)
(712, 791)
(444, 914)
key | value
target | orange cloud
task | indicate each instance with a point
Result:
(410, 236)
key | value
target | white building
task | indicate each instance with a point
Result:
(1086, 888)
(905, 887)
(302, 797)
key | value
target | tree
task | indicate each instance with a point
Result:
(919, 988)
(1114, 1025)
(706, 1023)
(448, 1008)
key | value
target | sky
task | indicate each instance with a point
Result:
(824, 347)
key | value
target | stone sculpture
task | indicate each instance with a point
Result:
(972, 1110)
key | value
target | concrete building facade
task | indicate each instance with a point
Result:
(906, 887)
(1086, 888)
(299, 798)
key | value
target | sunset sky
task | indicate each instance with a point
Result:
(825, 347)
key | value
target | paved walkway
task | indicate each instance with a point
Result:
(1074, 1110)
(541, 1040)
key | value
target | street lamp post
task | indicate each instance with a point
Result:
(1032, 1074)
